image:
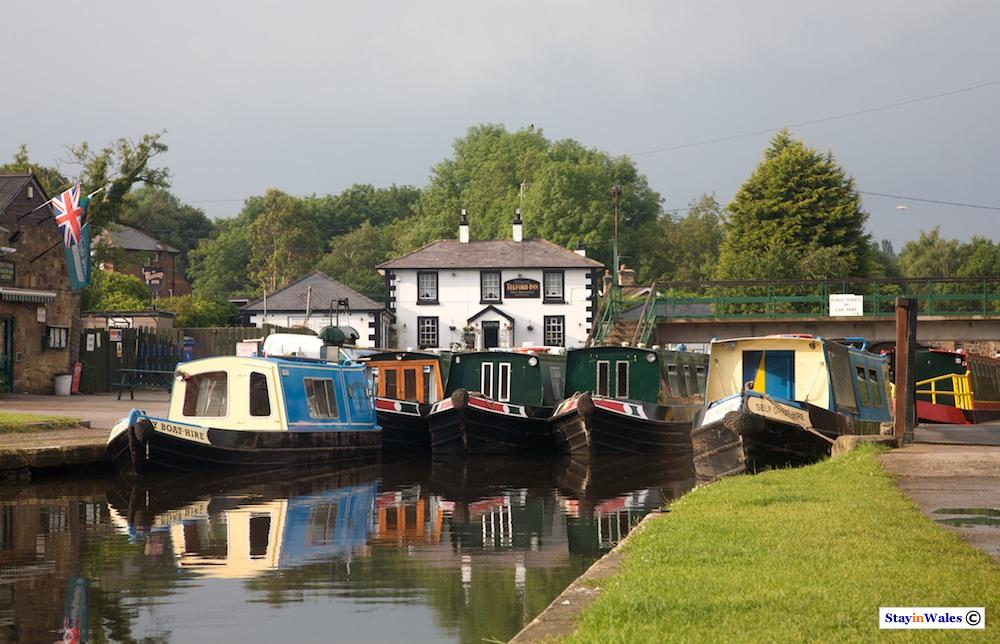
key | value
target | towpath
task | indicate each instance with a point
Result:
(80, 445)
(955, 479)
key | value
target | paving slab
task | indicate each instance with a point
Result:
(981, 434)
(958, 486)
(102, 410)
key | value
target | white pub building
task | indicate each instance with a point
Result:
(480, 295)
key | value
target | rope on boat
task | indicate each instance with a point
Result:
(808, 428)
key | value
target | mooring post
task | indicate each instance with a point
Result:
(906, 342)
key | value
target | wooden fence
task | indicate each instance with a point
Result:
(104, 351)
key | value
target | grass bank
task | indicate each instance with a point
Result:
(805, 554)
(13, 423)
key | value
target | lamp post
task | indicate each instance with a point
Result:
(616, 192)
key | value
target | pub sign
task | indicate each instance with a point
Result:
(522, 287)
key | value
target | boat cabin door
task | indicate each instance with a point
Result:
(771, 372)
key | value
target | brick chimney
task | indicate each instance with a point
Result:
(626, 276)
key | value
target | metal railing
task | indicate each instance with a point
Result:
(960, 394)
(613, 305)
(810, 299)
(647, 319)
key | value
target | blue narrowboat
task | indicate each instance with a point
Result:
(253, 411)
(783, 400)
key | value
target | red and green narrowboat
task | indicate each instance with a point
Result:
(956, 388)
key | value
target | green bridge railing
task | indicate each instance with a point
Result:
(807, 298)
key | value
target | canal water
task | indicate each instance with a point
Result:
(444, 551)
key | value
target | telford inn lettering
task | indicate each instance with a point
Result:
(481, 295)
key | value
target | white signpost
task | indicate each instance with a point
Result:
(846, 305)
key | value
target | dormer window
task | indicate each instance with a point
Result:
(427, 287)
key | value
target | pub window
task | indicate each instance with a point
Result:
(206, 394)
(553, 286)
(503, 382)
(621, 379)
(876, 393)
(7, 272)
(489, 286)
(321, 398)
(603, 377)
(427, 287)
(862, 386)
(260, 401)
(555, 330)
(486, 379)
(57, 337)
(427, 332)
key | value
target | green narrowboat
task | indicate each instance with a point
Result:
(497, 402)
(629, 400)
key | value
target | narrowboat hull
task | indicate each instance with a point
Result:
(585, 422)
(473, 424)
(404, 425)
(748, 433)
(141, 443)
(928, 412)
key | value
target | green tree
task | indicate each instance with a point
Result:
(117, 167)
(566, 192)
(51, 179)
(197, 310)
(218, 264)
(980, 258)
(352, 258)
(683, 248)
(799, 209)
(109, 291)
(930, 255)
(886, 260)
(283, 244)
(160, 214)
(335, 215)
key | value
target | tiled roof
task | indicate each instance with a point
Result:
(11, 185)
(131, 239)
(324, 289)
(451, 253)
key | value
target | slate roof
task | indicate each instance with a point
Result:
(131, 239)
(451, 253)
(10, 186)
(324, 289)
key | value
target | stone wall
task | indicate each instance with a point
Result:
(39, 266)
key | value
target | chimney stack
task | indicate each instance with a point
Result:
(517, 231)
(581, 250)
(463, 228)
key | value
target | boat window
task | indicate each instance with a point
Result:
(409, 384)
(260, 402)
(321, 398)
(690, 379)
(603, 377)
(390, 383)
(876, 389)
(701, 375)
(862, 386)
(503, 382)
(840, 372)
(374, 373)
(430, 391)
(205, 394)
(486, 379)
(621, 379)
(260, 531)
(558, 384)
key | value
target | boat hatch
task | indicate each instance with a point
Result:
(770, 371)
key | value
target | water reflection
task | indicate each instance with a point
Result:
(459, 550)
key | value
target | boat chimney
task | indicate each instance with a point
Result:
(463, 228)
(517, 232)
(581, 250)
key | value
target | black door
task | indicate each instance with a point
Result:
(491, 335)
(6, 352)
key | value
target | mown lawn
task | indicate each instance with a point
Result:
(11, 422)
(793, 555)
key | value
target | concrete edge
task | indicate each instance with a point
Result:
(848, 442)
(559, 617)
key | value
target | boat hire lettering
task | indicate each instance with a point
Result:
(198, 434)
(522, 287)
(781, 413)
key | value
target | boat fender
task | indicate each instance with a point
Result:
(143, 428)
(460, 398)
(585, 404)
(739, 422)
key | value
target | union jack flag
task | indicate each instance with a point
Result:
(69, 215)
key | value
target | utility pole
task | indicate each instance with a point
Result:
(906, 346)
(616, 192)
